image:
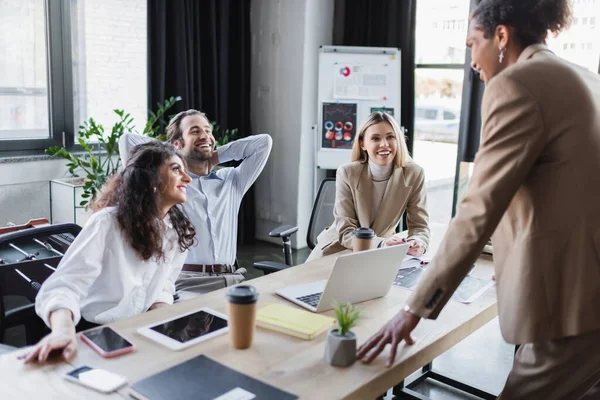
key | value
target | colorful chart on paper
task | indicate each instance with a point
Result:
(339, 125)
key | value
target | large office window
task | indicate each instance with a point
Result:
(23, 70)
(580, 43)
(441, 29)
(63, 61)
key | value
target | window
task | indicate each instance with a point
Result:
(23, 65)
(49, 85)
(579, 43)
(449, 115)
(440, 58)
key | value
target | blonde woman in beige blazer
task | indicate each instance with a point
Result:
(375, 189)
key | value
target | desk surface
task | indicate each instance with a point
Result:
(291, 364)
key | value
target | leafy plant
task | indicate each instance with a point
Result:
(97, 164)
(347, 316)
(156, 121)
(224, 136)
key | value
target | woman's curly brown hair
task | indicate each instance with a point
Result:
(531, 19)
(134, 192)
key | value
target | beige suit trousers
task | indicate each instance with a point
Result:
(566, 368)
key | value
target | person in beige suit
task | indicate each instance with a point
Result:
(375, 189)
(534, 187)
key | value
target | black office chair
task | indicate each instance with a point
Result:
(27, 258)
(320, 218)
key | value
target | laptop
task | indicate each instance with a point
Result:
(354, 278)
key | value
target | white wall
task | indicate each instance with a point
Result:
(286, 35)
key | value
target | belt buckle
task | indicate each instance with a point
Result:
(212, 267)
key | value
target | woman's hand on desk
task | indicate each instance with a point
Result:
(396, 330)
(416, 249)
(62, 338)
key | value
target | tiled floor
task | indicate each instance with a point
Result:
(482, 360)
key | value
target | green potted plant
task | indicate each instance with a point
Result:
(100, 158)
(340, 347)
(223, 136)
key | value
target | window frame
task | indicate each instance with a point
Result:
(59, 72)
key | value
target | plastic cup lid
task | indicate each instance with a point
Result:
(242, 294)
(364, 233)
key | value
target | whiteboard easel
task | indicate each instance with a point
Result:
(353, 82)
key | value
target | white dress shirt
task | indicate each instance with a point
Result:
(102, 278)
(213, 201)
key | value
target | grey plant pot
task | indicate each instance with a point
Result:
(340, 351)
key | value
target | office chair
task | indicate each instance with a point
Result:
(320, 218)
(27, 258)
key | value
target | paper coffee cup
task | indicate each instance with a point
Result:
(362, 239)
(241, 314)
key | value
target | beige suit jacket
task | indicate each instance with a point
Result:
(535, 187)
(353, 203)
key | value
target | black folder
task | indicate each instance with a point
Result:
(202, 379)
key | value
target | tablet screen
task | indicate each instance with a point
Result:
(191, 326)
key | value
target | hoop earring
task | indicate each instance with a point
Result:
(501, 55)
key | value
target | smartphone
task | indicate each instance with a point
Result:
(97, 379)
(107, 342)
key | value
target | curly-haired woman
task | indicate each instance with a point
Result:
(127, 257)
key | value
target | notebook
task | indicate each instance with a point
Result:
(204, 379)
(293, 321)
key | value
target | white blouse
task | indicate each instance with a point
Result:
(102, 278)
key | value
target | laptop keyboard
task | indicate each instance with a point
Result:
(311, 299)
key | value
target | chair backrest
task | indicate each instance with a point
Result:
(27, 258)
(322, 211)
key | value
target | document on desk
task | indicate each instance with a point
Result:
(468, 291)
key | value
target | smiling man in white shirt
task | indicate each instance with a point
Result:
(214, 197)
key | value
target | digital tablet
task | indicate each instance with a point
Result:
(185, 330)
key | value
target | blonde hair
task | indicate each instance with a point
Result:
(400, 159)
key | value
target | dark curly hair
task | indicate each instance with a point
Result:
(531, 19)
(134, 192)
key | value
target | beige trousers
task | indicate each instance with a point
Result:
(191, 284)
(566, 368)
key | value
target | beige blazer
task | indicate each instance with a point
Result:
(353, 202)
(535, 187)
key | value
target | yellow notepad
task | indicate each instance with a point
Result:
(293, 321)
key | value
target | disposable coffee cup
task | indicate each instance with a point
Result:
(241, 314)
(362, 239)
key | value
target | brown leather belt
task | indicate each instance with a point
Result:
(209, 268)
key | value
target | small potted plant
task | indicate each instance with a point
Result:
(340, 347)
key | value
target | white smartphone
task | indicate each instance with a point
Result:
(181, 331)
(97, 379)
